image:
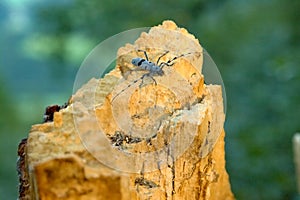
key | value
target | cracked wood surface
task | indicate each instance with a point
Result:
(180, 106)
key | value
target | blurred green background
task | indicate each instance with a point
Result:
(256, 45)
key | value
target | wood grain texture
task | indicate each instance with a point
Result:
(68, 159)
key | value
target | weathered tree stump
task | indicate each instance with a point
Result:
(153, 141)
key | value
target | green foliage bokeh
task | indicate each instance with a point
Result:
(254, 43)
